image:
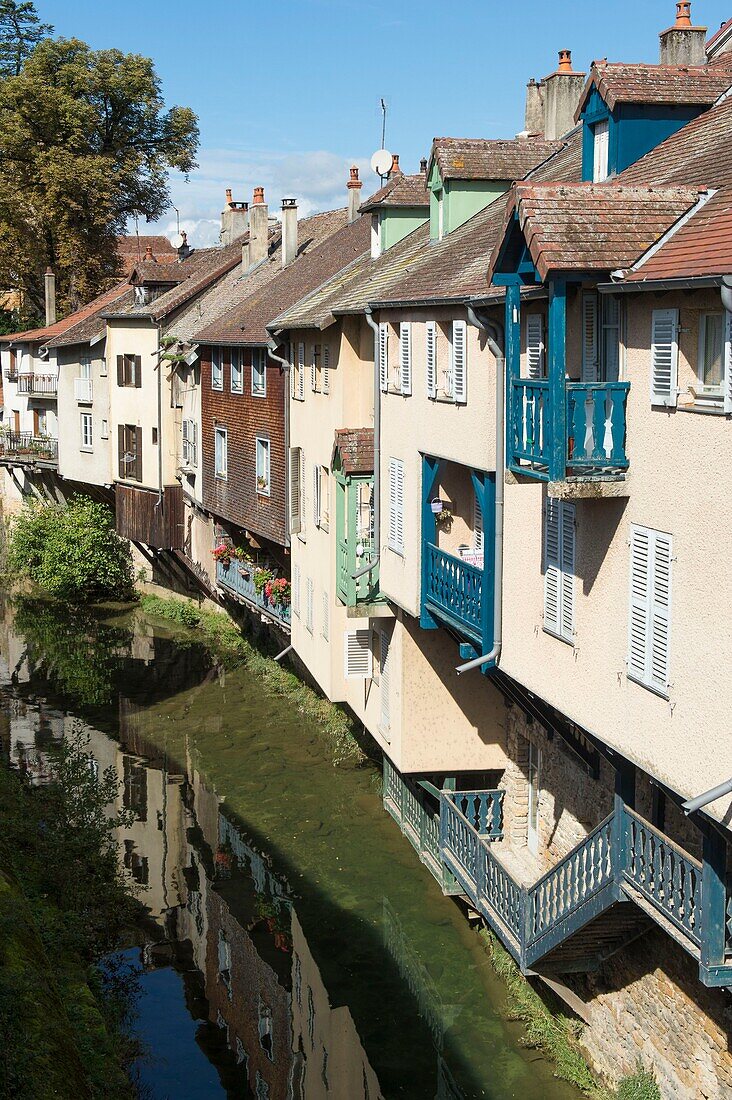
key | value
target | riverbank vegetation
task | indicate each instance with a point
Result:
(71, 551)
(64, 905)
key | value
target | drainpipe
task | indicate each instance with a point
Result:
(159, 367)
(272, 345)
(727, 292)
(709, 796)
(494, 336)
(377, 452)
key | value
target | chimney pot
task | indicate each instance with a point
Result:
(149, 258)
(423, 166)
(258, 227)
(565, 61)
(560, 93)
(228, 195)
(258, 197)
(683, 13)
(354, 186)
(395, 170)
(683, 44)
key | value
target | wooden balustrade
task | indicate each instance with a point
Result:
(455, 589)
(665, 874)
(529, 411)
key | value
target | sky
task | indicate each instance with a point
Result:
(287, 91)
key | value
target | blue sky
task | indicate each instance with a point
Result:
(287, 92)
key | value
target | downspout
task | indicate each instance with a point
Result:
(726, 291)
(494, 337)
(708, 796)
(377, 452)
(159, 369)
(272, 345)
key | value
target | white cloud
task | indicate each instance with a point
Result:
(316, 179)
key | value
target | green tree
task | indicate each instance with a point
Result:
(71, 550)
(86, 142)
(20, 31)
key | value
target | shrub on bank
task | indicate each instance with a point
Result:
(71, 550)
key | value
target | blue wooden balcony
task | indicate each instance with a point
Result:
(586, 441)
(237, 580)
(454, 592)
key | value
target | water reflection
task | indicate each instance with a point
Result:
(293, 938)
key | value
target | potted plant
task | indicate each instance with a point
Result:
(223, 554)
(443, 518)
(278, 592)
(262, 484)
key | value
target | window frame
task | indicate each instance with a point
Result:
(600, 130)
(220, 432)
(237, 368)
(217, 365)
(263, 446)
(713, 395)
(86, 419)
(260, 356)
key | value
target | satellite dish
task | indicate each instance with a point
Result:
(381, 162)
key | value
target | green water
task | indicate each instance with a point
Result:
(310, 951)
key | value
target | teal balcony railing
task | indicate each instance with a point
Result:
(351, 556)
(594, 429)
(454, 591)
(238, 580)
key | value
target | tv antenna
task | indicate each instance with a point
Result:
(381, 160)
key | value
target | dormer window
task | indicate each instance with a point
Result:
(375, 236)
(440, 215)
(600, 144)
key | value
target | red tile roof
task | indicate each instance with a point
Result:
(702, 246)
(699, 154)
(132, 249)
(488, 159)
(673, 84)
(52, 333)
(355, 447)
(400, 190)
(591, 227)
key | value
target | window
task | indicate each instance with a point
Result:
(295, 491)
(217, 369)
(104, 433)
(375, 236)
(559, 550)
(600, 338)
(600, 149)
(296, 589)
(324, 498)
(221, 453)
(384, 669)
(298, 374)
(316, 495)
(326, 616)
(430, 355)
(309, 590)
(86, 431)
(315, 368)
(103, 367)
(405, 358)
(664, 357)
(129, 370)
(190, 448)
(535, 348)
(83, 384)
(440, 215)
(649, 623)
(154, 437)
(262, 466)
(326, 369)
(710, 363)
(457, 385)
(259, 372)
(384, 356)
(129, 443)
(357, 657)
(396, 505)
(237, 370)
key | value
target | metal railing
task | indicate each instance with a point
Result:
(238, 578)
(28, 447)
(41, 385)
(83, 390)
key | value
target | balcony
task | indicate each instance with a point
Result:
(586, 442)
(24, 448)
(83, 391)
(454, 591)
(38, 385)
(237, 580)
(352, 556)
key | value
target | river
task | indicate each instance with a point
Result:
(296, 946)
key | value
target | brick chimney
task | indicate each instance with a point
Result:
(149, 258)
(395, 170)
(562, 90)
(683, 44)
(289, 231)
(534, 113)
(234, 219)
(258, 227)
(50, 288)
(354, 186)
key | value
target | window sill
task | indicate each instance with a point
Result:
(221, 477)
(217, 389)
(559, 637)
(260, 395)
(87, 450)
(263, 493)
(704, 409)
(649, 687)
(399, 553)
(238, 392)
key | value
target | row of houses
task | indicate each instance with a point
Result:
(464, 442)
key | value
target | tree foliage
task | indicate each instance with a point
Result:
(72, 551)
(86, 142)
(20, 31)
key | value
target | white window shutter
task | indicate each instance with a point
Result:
(309, 589)
(552, 565)
(664, 357)
(535, 345)
(459, 367)
(431, 357)
(384, 670)
(728, 361)
(295, 491)
(301, 372)
(660, 626)
(478, 533)
(590, 342)
(567, 551)
(296, 589)
(396, 505)
(326, 616)
(326, 368)
(384, 356)
(405, 357)
(316, 495)
(357, 655)
(313, 371)
(641, 547)
(302, 490)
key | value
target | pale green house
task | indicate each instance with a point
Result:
(397, 208)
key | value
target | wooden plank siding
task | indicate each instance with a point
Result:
(245, 417)
(141, 519)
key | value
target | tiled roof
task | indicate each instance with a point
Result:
(356, 449)
(701, 246)
(173, 272)
(699, 154)
(338, 244)
(91, 325)
(89, 315)
(484, 159)
(400, 190)
(592, 227)
(132, 249)
(675, 84)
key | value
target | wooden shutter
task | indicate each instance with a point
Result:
(326, 368)
(384, 670)
(640, 593)
(121, 464)
(552, 565)
(316, 495)
(302, 492)
(138, 372)
(728, 361)
(120, 370)
(600, 150)
(664, 357)
(138, 452)
(478, 530)
(295, 515)
(567, 553)
(357, 656)
(459, 365)
(431, 357)
(590, 342)
(326, 616)
(535, 345)
(649, 625)
(309, 589)
(405, 357)
(296, 589)
(396, 505)
(313, 369)
(660, 632)
(186, 443)
(301, 372)
(383, 356)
